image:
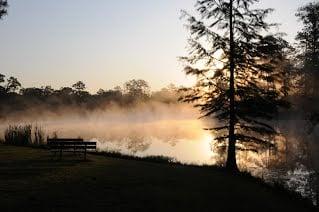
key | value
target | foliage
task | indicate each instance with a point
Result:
(3, 8)
(12, 85)
(137, 88)
(79, 86)
(308, 46)
(236, 63)
(24, 101)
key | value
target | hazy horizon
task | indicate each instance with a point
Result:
(105, 43)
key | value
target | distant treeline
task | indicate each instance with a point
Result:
(16, 99)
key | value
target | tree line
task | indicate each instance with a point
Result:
(16, 99)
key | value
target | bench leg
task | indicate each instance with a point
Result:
(85, 154)
(60, 153)
(52, 154)
(317, 188)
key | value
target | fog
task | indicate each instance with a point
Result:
(169, 129)
(150, 128)
(174, 130)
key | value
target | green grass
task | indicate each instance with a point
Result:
(31, 180)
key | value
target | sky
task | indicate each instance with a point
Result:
(105, 43)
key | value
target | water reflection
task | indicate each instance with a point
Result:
(168, 130)
(172, 131)
(183, 150)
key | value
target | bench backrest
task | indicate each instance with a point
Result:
(64, 143)
(64, 139)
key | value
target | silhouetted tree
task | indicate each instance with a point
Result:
(2, 80)
(308, 40)
(13, 85)
(65, 95)
(32, 92)
(3, 8)
(46, 98)
(137, 89)
(79, 91)
(118, 88)
(79, 86)
(9, 85)
(289, 73)
(47, 91)
(235, 64)
(168, 94)
(110, 95)
(308, 46)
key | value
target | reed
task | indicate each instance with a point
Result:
(20, 135)
(24, 135)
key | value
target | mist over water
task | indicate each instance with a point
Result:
(160, 129)
(151, 128)
(173, 129)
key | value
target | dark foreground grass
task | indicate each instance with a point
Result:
(31, 181)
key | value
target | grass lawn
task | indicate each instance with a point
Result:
(31, 180)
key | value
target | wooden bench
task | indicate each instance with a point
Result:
(75, 145)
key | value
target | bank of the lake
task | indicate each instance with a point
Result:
(31, 180)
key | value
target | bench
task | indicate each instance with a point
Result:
(75, 145)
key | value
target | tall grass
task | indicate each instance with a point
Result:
(24, 135)
(39, 136)
(20, 135)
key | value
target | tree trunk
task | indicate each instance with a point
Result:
(231, 163)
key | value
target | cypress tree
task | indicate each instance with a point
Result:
(308, 40)
(235, 62)
(3, 8)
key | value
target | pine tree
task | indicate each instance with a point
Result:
(3, 8)
(308, 40)
(236, 64)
